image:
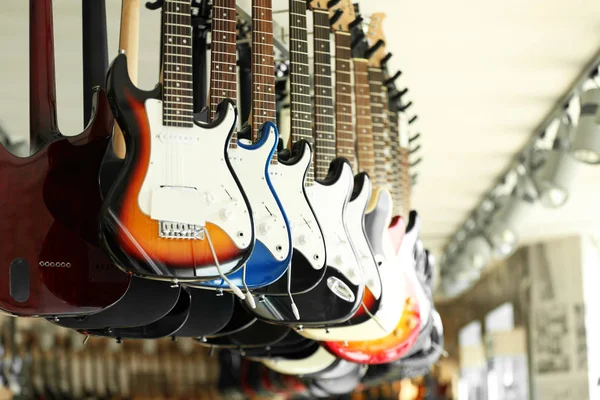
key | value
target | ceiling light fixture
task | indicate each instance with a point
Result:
(554, 175)
(586, 142)
(512, 210)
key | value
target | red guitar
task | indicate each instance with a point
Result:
(50, 264)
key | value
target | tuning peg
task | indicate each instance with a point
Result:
(356, 22)
(398, 95)
(415, 137)
(405, 106)
(331, 3)
(336, 16)
(413, 179)
(369, 53)
(413, 119)
(385, 59)
(417, 148)
(154, 5)
(390, 81)
(416, 162)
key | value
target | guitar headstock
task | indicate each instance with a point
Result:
(375, 34)
(346, 18)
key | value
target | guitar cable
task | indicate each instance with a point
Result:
(233, 288)
(249, 297)
(373, 316)
(289, 291)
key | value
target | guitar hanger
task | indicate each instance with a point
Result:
(95, 51)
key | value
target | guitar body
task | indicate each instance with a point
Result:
(164, 327)
(160, 157)
(50, 263)
(157, 297)
(209, 313)
(319, 360)
(389, 306)
(239, 320)
(362, 326)
(406, 333)
(338, 296)
(272, 252)
(309, 257)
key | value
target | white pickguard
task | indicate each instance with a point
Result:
(314, 363)
(270, 226)
(191, 161)
(329, 204)
(288, 181)
(354, 218)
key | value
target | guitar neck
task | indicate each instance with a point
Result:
(223, 73)
(364, 138)
(378, 118)
(404, 162)
(343, 97)
(399, 175)
(178, 101)
(395, 172)
(324, 110)
(43, 124)
(263, 66)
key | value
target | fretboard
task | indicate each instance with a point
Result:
(300, 105)
(378, 119)
(223, 73)
(363, 127)
(344, 124)
(263, 68)
(404, 162)
(178, 100)
(324, 111)
(396, 173)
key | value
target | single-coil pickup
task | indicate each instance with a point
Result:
(179, 137)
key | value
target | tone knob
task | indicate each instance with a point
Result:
(339, 260)
(351, 273)
(210, 198)
(302, 239)
(226, 214)
(265, 228)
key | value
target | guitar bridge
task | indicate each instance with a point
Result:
(178, 230)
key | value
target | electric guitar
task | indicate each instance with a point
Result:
(291, 176)
(52, 196)
(318, 359)
(252, 162)
(411, 252)
(337, 297)
(364, 325)
(413, 309)
(158, 297)
(163, 218)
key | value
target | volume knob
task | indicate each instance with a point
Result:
(302, 239)
(226, 214)
(265, 228)
(210, 198)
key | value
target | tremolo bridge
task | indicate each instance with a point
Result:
(178, 230)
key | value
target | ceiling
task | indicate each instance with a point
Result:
(482, 77)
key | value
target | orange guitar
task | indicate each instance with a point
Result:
(163, 218)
